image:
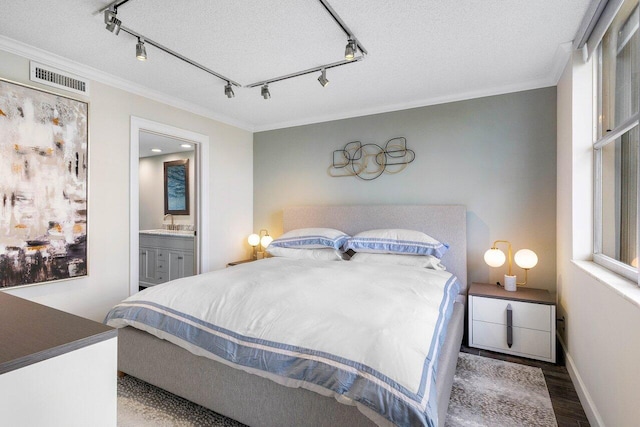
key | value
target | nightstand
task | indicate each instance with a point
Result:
(231, 264)
(522, 323)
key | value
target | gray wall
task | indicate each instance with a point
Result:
(496, 155)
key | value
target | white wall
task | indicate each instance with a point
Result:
(496, 155)
(151, 174)
(110, 110)
(602, 311)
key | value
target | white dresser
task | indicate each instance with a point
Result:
(56, 369)
(522, 323)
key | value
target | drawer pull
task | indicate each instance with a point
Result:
(159, 266)
(509, 326)
(179, 257)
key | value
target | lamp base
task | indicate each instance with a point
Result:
(510, 283)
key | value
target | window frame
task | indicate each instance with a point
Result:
(599, 142)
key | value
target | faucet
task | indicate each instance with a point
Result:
(171, 227)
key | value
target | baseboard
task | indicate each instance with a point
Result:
(585, 398)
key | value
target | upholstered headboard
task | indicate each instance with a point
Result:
(447, 223)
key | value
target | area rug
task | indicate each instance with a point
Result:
(489, 392)
(486, 392)
(143, 405)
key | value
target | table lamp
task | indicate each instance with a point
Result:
(254, 241)
(524, 258)
(264, 242)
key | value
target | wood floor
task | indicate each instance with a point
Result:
(566, 405)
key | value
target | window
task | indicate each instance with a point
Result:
(616, 144)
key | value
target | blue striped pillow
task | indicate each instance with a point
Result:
(396, 241)
(311, 238)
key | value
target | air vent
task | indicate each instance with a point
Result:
(59, 79)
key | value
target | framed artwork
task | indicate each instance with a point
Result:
(43, 186)
(176, 187)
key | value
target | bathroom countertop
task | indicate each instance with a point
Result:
(173, 233)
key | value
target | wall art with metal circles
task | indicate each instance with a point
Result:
(369, 161)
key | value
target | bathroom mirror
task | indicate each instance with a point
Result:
(176, 187)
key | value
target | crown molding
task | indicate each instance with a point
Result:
(33, 53)
(463, 96)
(562, 55)
(560, 60)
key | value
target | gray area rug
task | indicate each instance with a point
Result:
(486, 392)
(489, 392)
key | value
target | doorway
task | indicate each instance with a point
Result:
(142, 132)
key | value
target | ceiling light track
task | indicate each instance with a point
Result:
(113, 5)
(308, 71)
(175, 54)
(342, 25)
(114, 25)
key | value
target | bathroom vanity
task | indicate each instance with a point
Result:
(165, 255)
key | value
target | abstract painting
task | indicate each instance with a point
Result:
(43, 186)
(176, 187)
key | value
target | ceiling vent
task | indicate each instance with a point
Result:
(59, 79)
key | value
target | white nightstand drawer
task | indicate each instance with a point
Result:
(525, 314)
(526, 342)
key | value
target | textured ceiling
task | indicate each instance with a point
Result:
(420, 51)
(168, 145)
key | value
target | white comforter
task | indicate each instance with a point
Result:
(366, 334)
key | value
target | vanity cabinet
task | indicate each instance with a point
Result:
(165, 257)
(180, 264)
(147, 269)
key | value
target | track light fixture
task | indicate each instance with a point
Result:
(350, 50)
(323, 78)
(141, 52)
(265, 91)
(228, 90)
(353, 48)
(113, 23)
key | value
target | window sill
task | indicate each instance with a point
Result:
(622, 286)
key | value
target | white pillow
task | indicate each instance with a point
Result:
(311, 238)
(424, 261)
(398, 241)
(326, 254)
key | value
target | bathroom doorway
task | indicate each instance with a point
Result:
(164, 157)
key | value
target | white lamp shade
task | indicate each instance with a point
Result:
(254, 239)
(526, 258)
(264, 242)
(494, 257)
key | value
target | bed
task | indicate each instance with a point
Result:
(258, 401)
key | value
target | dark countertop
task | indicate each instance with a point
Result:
(539, 296)
(31, 332)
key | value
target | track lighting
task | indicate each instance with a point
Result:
(350, 50)
(323, 78)
(265, 91)
(141, 52)
(354, 51)
(228, 90)
(113, 23)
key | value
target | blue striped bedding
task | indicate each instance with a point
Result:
(367, 335)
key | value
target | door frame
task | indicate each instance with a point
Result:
(201, 190)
